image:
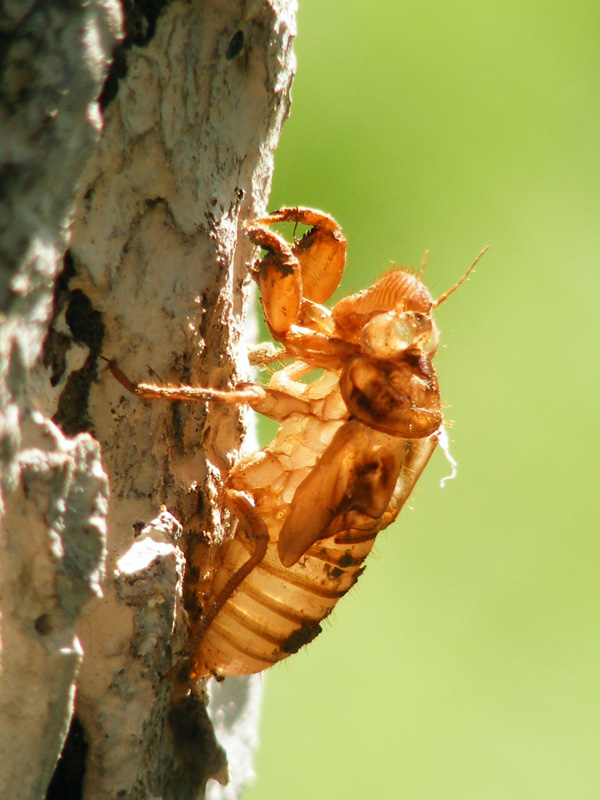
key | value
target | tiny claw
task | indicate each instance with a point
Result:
(121, 377)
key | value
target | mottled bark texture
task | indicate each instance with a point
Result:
(147, 199)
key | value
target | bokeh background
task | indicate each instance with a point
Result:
(466, 663)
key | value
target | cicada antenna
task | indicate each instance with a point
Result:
(423, 264)
(447, 294)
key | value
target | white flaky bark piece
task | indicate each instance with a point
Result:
(157, 279)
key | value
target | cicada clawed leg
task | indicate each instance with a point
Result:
(244, 393)
(276, 404)
(321, 252)
(279, 280)
(308, 270)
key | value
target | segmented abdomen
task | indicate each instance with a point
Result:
(277, 609)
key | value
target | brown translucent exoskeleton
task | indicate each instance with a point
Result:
(351, 445)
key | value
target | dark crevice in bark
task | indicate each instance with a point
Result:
(140, 25)
(67, 781)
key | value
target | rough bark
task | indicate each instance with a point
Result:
(54, 489)
(155, 277)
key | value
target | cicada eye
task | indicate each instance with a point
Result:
(426, 335)
(389, 335)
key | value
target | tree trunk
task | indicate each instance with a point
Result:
(156, 278)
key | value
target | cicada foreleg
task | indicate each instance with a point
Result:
(244, 393)
(272, 403)
(293, 279)
(320, 252)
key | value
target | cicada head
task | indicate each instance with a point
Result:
(398, 291)
(390, 335)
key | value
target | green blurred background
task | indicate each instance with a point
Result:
(466, 663)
